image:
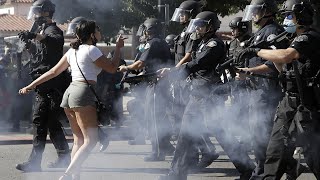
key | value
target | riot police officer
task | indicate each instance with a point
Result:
(241, 33)
(296, 121)
(265, 94)
(46, 49)
(156, 55)
(183, 44)
(186, 43)
(203, 98)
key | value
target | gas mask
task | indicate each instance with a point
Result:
(141, 48)
(40, 20)
(289, 25)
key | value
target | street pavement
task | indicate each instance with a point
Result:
(119, 162)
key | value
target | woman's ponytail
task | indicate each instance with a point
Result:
(75, 43)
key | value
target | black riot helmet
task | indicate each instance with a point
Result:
(259, 9)
(73, 24)
(170, 40)
(302, 9)
(152, 26)
(242, 26)
(41, 6)
(188, 8)
(206, 19)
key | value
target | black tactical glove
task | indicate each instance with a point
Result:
(247, 53)
(252, 51)
(26, 35)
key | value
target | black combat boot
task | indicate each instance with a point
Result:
(103, 139)
(29, 166)
(63, 161)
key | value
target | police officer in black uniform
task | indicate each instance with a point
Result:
(265, 94)
(155, 56)
(296, 122)
(185, 44)
(46, 49)
(203, 98)
(241, 33)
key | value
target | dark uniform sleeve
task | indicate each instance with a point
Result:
(208, 58)
(302, 44)
(53, 37)
(147, 54)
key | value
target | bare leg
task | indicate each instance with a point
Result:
(87, 121)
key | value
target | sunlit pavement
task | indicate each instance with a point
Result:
(119, 162)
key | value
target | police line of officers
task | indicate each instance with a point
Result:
(277, 86)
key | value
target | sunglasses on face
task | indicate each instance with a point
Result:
(289, 16)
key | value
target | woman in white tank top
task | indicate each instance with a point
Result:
(77, 101)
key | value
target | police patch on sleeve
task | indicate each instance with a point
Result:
(301, 38)
(270, 37)
(212, 44)
(147, 46)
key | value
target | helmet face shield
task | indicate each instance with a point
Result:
(35, 11)
(141, 30)
(196, 23)
(181, 15)
(71, 29)
(254, 13)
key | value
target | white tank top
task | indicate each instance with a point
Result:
(86, 56)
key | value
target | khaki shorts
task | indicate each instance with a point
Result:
(78, 94)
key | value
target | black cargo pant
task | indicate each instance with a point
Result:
(180, 98)
(194, 129)
(159, 127)
(261, 112)
(280, 149)
(46, 114)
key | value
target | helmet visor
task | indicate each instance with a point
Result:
(71, 29)
(181, 15)
(253, 12)
(141, 30)
(34, 11)
(196, 23)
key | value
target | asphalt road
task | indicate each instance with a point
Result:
(120, 162)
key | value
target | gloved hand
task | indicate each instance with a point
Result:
(247, 53)
(252, 50)
(26, 35)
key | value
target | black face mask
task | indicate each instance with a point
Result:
(40, 20)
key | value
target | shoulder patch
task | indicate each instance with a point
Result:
(147, 46)
(270, 37)
(301, 38)
(212, 44)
